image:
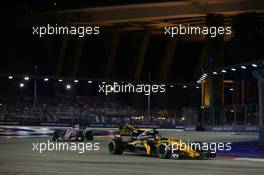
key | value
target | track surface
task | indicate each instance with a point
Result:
(17, 157)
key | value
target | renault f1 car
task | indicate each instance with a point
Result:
(130, 130)
(151, 143)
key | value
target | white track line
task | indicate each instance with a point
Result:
(250, 159)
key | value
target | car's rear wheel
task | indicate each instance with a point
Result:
(116, 146)
(204, 153)
(163, 151)
(89, 135)
(79, 136)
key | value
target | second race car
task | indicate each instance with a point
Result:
(72, 134)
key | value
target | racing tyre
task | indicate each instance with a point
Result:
(89, 135)
(79, 136)
(213, 154)
(116, 146)
(203, 153)
(163, 151)
(55, 136)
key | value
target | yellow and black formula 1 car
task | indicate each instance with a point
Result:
(151, 143)
(130, 130)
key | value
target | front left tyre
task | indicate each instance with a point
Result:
(55, 136)
(116, 146)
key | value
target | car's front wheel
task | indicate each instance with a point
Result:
(115, 146)
(55, 136)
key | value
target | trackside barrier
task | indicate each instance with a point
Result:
(261, 136)
(11, 130)
(237, 128)
(26, 131)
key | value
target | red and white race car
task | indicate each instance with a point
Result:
(74, 133)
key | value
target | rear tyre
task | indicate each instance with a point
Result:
(163, 151)
(89, 135)
(212, 154)
(201, 151)
(79, 136)
(116, 146)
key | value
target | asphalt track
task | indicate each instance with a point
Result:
(17, 157)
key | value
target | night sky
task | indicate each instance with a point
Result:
(20, 50)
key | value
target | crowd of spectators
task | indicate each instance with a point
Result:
(53, 108)
(91, 109)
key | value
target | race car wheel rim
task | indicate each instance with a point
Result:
(162, 151)
(111, 147)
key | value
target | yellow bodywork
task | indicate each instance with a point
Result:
(174, 143)
(130, 129)
(177, 144)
